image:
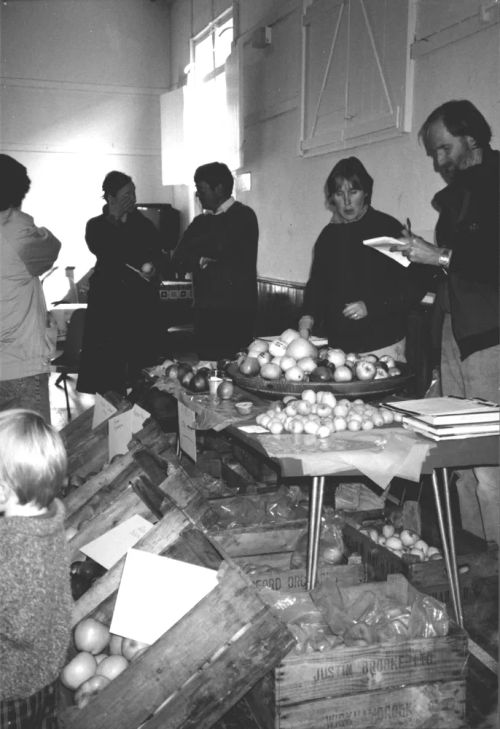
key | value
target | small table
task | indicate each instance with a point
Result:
(62, 313)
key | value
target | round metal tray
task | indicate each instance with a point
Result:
(355, 388)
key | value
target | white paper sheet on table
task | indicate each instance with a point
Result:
(155, 593)
(109, 548)
(122, 427)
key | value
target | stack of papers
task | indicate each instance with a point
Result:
(446, 418)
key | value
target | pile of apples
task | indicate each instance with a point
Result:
(321, 414)
(101, 657)
(292, 358)
(403, 542)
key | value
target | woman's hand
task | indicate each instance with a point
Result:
(418, 250)
(355, 310)
(148, 271)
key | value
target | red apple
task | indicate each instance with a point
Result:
(342, 374)
(365, 369)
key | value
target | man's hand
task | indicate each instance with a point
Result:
(418, 250)
(205, 261)
(355, 310)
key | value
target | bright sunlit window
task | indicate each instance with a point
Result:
(208, 121)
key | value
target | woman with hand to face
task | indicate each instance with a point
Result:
(123, 325)
(356, 296)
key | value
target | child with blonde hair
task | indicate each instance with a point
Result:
(35, 593)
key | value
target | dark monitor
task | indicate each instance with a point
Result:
(166, 219)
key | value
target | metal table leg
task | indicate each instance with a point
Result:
(453, 552)
(447, 548)
(316, 505)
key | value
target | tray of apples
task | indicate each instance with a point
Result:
(321, 414)
(288, 364)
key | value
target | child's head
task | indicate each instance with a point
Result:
(32, 457)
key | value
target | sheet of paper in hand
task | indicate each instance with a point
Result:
(384, 244)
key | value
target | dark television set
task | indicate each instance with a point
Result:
(166, 219)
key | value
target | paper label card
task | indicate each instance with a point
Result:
(109, 548)
(384, 244)
(138, 417)
(102, 410)
(155, 593)
(119, 434)
(187, 430)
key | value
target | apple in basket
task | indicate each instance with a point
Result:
(365, 369)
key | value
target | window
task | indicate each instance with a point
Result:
(200, 122)
(357, 72)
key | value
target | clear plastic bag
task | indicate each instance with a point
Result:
(331, 544)
(428, 619)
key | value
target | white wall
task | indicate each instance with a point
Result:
(287, 190)
(80, 95)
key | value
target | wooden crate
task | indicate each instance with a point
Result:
(429, 577)
(87, 448)
(200, 667)
(416, 684)
(260, 468)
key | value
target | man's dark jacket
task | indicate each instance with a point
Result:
(469, 225)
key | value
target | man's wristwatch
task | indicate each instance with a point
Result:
(444, 258)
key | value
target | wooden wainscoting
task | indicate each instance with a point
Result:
(279, 305)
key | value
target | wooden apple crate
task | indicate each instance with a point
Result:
(415, 684)
(87, 448)
(200, 667)
(429, 577)
(97, 490)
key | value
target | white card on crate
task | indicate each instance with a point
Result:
(138, 416)
(187, 430)
(110, 547)
(102, 410)
(119, 434)
(155, 593)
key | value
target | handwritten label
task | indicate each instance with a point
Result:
(109, 548)
(187, 430)
(102, 410)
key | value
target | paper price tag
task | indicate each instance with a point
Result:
(119, 434)
(187, 431)
(109, 548)
(102, 410)
(138, 417)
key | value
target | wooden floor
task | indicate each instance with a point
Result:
(481, 615)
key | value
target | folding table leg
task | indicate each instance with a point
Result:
(315, 507)
(448, 547)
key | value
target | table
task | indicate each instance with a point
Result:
(62, 313)
(461, 453)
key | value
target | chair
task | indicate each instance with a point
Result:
(67, 363)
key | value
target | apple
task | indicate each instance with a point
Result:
(172, 371)
(277, 348)
(263, 358)
(91, 635)
(270, 371)
(89, 689)
(308, 395)
(250, 366)
(394, 371)
(294, 374)
(365, 369)
(225, 392)
(306, 364)
(321, 374)
(287, 362)
(112, 666)
(370, 357)
(289, 335)
(352, 357)
(300, 347)
(342, 374)
(132, 649)
(199, 382)
(78, 670)
(258, 345)
(326, 398)
(336, 357)
(381, 373)
(387, 360)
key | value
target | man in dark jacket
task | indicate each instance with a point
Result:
(219, 249)
(457, 137)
